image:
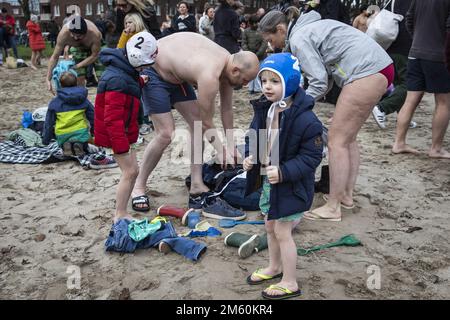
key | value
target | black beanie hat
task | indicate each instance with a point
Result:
(78, 25)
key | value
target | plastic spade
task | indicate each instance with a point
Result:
(348, 240)
(230, 223)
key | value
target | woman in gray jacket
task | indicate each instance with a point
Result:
(331, 49)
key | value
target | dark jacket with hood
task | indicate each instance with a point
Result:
(117, 102)
(300, 152)
(70, 117)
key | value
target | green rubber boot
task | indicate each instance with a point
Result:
(262, 243)
(246, 243)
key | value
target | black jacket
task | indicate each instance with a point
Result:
(149, 18)
(428, 22)
(402, 44)
(226, 28)
(300, 152)
(333, 9)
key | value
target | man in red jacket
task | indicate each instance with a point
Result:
(8, 23)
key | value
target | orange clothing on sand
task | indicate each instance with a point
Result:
(35, 36)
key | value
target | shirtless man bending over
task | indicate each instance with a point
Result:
(184, 60)
(78, 33)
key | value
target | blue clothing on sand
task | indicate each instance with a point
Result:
(119, 241)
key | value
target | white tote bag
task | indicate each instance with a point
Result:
(384, 27)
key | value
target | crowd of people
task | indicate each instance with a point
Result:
(294, 56)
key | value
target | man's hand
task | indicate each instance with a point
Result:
(248, 163)
(66, 53)
(50, 87)
(228, 157)
(272, 174)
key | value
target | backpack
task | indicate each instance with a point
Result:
(230, 185)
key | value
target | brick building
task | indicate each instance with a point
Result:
(91, 9)
(15, 10)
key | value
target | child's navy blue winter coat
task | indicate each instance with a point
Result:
(300, 153)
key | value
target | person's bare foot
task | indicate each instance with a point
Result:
(198, 189)
(324, 213)
(119, 216)
(34, 67)
(347, 201)
(403, 148)
(439, 154)
(136, 193)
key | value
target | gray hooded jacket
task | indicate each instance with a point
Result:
(329, 47)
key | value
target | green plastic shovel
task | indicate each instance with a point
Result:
(348, 240)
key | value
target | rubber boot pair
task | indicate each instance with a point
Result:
(247, 243)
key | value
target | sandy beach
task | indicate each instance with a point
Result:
(54, 216)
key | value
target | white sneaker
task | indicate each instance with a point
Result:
(412, 124)
(379, 117)
(144, 129)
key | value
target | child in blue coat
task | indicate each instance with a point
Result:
(289, 151)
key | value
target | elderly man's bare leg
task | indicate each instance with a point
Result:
(352, 109)
(403, 120)
(164, 127)
(190, 112)
(440, 124)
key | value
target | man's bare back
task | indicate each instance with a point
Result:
(360, 22)
(187, 56)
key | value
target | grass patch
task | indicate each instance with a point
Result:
(25, 52)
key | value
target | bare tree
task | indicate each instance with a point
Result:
(25, 5)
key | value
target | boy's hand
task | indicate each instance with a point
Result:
(248, 163)
(272, 174)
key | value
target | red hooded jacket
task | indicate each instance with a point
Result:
(117, 103)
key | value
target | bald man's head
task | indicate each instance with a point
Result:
(244, 68)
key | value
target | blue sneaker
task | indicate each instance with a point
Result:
(197, 201)
(220, 209)
(103, 162)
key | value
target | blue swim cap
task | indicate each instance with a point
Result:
(287, 67)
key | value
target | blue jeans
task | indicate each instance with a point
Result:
(2, 40)
(119, 241)
(10, 41)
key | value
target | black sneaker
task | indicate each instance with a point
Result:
(220, 209)
(197, 201)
